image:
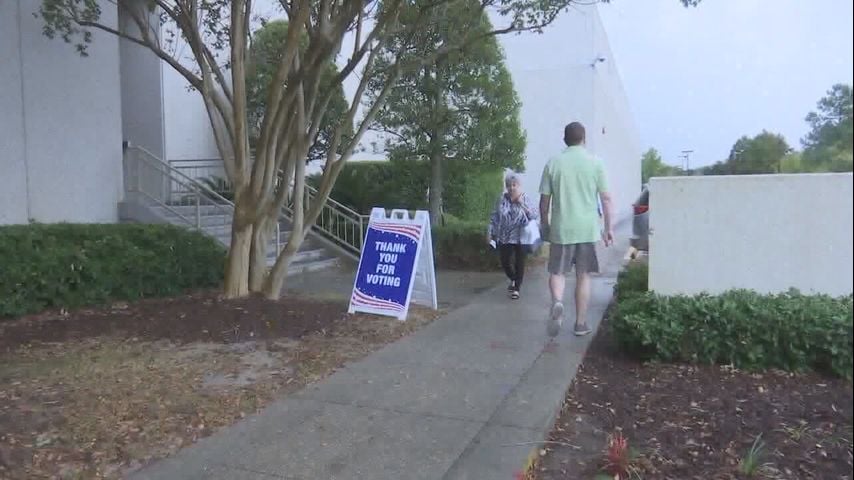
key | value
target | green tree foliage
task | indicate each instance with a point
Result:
(828, 145)
(390, 39)
(764, 153)
(460, 112)
(760, 154)
(653, 166)
(792, 163)
(265, 54)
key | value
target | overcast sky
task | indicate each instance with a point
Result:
(699, 78)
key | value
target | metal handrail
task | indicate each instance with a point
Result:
(192, 182)
(331, 201)
(163, 192)
(328, 224)
(348, 240)
(167, 207)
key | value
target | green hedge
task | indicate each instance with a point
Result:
(632, 281)
(364, 185)
(471, 195)
(73, 265)
(462, 245)
(469, 199)
(789, 331)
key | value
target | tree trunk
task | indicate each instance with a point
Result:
(237, 262)
(436, 187)
(275, 281)
(261, 236)
(436, 147)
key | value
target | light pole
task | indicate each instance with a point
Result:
(736, 163)
(686, 156)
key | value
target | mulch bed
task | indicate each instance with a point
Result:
(202, 317)
(100, 392)
(699, 422)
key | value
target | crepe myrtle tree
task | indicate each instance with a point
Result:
(218, 34)
(460, 112)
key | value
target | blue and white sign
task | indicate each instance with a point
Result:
(396, 266)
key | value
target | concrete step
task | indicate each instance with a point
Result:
(224, 237)
(310, 258)
(225, 229)
(190, 210)
(314, 266)
(303, 255)
(204, 220)
(306, 260)
(306, 253)
(223, 232)
(210, 217)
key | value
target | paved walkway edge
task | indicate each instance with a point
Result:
(470, 396)
(509, 442)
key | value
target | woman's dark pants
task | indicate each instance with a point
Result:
(513, 261)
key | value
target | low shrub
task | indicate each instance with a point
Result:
(365, 185)
(220, 186)
(632, 281)
(470, 194)
(73, 265)
(460, 245)
(789, 331)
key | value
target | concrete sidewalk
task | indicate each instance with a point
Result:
(455, 288)
(466, 397)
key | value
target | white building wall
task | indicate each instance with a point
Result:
(767, 233)
(60, 125)
(189, 135)
(13, 165)
(554, 90)
(142, 92)
(616, 138)
(567, 86)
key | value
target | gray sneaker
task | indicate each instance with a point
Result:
(582, 330)
(555, 319)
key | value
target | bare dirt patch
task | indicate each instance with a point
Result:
(202, 317)
(96, 393)
(707, 422)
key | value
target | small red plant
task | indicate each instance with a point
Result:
(617, 456)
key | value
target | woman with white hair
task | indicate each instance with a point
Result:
(507, 223)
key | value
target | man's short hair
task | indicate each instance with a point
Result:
(574, 134)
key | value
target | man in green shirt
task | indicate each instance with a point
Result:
(573, 184)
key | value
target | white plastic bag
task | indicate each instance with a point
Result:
(531, 236)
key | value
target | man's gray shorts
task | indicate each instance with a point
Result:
(563, 257)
